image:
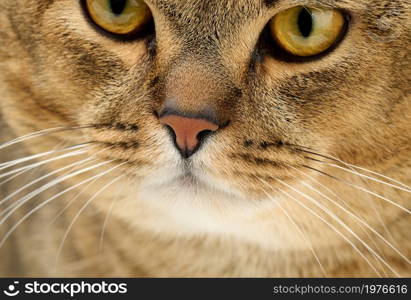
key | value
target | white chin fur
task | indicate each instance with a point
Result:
(167, 204)
(184, 208)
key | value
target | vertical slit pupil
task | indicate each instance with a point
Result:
(305, 22)
(117, 6)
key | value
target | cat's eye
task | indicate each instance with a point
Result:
(122, 17)
(304, 32)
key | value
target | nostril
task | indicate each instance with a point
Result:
(171, 131)
(201, 136)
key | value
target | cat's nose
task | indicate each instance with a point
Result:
(189, 132)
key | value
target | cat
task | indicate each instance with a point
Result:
(220, 138)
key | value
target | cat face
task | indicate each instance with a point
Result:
(203, 102)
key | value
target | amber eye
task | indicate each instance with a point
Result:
(303, 31)
(121, 17)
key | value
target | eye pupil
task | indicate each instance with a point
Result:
(117, 6)
(305, 22)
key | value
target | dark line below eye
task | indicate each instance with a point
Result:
(117, 6)
(305, 22)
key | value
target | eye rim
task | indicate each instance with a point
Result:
(147, 31)
(269, 46)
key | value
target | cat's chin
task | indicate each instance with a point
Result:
(181, 200)
(189, 186)
(187, 207)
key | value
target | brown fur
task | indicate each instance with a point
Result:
(353, 103)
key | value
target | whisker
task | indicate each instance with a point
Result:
(40, 179)
(380, 218)
(80, 193)
(38, 191)
(109, 213)
(348, 206)
(361, 189)
(32, 157)
(6, 164)
(328, 224)
(26, 216)
(402, 186)
(42, 133)
(300, 231)
(25, 169)
(73, 200)
(339, 221)
(322, 185)
(379, 174)
(14, 176)
(86, 205)
(365, 176)
(350, 213)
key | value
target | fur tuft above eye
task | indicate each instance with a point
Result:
(122, 17)
(305, 32)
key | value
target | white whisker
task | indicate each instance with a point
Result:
(41, 133)
(300, 231)
(40, 179)
(73, 200)
(363, 189)
(352, 169)
(405, 189)
(32, 157)
(26, 216)
(86, 205)
(377, 195)
(41, 163)
(333, 158)
(14, 176)
(338, 220)
(80, 193)
(38, 191)
(329, 225)
(381, 175)
(106, 219)
(353, 215)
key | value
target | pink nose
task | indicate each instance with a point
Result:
(187, 131)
